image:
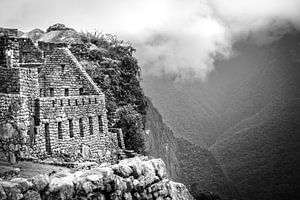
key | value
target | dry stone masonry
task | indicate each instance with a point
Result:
(131, 179)
(47, 92)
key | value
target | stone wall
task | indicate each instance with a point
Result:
(9, 80)
(17, 80)
(118, 134)
(15, 50)
(79, 50)
(9, 51)
(8, 32)
(61, 72)
(48, 47)
(131, 179)
(15, 123)
(16, 108)
(29, 53)
(29, 84)
(64, 109)
(90, 109)
(19, 90)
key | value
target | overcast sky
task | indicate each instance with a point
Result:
(179, 37)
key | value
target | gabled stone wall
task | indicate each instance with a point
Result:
(61, 73)
(79, 50)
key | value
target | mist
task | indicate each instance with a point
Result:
(172, 37)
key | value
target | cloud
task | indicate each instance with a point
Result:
(174, 37)
(185, 43)
(193, 33)
(265, 20)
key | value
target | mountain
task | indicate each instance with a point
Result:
(57, 33)
(161, 142)
(261, 156)
(200, 171)
(260, 153)
(253, 126)
(186, 162)
(34, 34)
(194, 111)
(184, 111)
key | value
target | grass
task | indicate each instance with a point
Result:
(30, 169)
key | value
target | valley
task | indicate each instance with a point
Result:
(246, 113)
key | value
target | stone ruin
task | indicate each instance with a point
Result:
(48, 99)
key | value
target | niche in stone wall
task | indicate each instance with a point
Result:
(51, 92)
(59, 130)
(71, 128)
(91, 125)
(47, 138)
(66, 91)
(81, 127)
(100, 121)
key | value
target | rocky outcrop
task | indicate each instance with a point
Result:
(12, 143)
(58, 27)
(134, 178)
(161, 142)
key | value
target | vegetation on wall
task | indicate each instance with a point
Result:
(117, 73)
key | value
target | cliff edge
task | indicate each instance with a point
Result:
(134, 178)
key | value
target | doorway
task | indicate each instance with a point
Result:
(47, 139)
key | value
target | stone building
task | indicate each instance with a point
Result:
(58, 104)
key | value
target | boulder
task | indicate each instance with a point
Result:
(8, 131)
(58, 27)
(12, 157)
(84, 187)
(120, 183)
(11, 190)
(60, 188)
(40, 182)
(135, 164)
(86, 165)
(3, 156)
(160, 167)
(22, 183)
(127, 196)
(85, 152)
(178, 191)
(130, 179)
(32, 195)
(2, 193)
(122, 170)
(148, 174)
(87, 181)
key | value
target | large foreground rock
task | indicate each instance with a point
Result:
(134, 178)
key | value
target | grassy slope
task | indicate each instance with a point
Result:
(260, 153)
(256, 94)
(201, 172)
(30, 169)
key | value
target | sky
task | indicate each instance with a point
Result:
(176, 37)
